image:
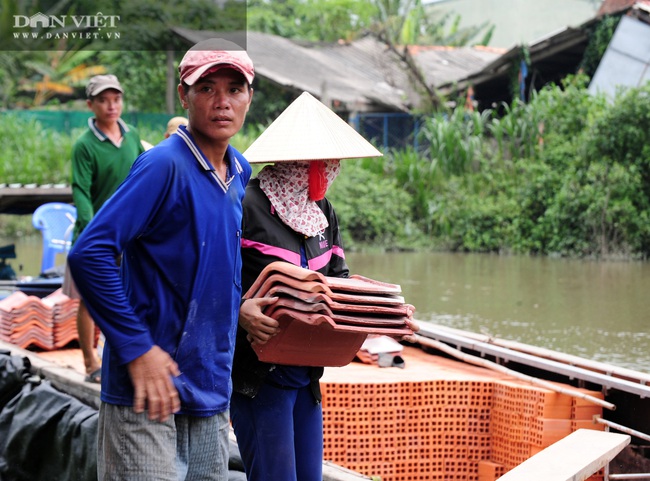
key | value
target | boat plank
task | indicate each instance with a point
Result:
(25, 199)
(573, 458)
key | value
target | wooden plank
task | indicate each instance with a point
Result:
(24, 200)
(574, 458)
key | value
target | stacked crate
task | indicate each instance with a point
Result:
(429, 427)
(441, 420)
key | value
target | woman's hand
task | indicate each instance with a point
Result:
(260, 327)
(411, 324)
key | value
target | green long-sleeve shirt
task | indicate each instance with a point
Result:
(98, 168)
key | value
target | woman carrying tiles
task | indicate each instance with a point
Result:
(275, 409)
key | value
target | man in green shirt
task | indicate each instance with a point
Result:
(101, 159)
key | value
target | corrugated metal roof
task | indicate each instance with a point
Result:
(443, 65)
(364, 75)
(551, 59)
(626, 61)
(561, 41)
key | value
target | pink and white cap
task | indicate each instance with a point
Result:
(212, 54)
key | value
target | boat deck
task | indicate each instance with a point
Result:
(437, 418)
(69, 357)
(418, 367)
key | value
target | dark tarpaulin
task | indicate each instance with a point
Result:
(47, 435)
(13, 372)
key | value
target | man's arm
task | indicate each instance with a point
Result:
(82, 175)
(92, 263)
(151, 375)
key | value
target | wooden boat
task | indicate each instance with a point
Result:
(391, 421)
(37, 286)
(475, 408)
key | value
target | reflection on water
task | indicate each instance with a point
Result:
(29, 253)
(598, 310)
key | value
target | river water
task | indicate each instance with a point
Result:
(597, 310)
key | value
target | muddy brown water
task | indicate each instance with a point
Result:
(597, 310)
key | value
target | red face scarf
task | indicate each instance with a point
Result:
(317, 179)
(288, 187)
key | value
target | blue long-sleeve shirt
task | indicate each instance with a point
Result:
(179, 285)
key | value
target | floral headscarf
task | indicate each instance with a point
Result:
(286, 184)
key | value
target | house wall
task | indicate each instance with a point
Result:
(520, 21)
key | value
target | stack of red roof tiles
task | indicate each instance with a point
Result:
(29, 321)
(324, 320)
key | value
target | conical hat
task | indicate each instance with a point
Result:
(308, 130)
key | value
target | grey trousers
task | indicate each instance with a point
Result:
(184, 448)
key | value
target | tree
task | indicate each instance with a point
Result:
(12, 54)
(402, 22)
(144, 54)
(60, 73)
(304, 19)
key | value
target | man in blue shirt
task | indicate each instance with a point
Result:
(169, 313)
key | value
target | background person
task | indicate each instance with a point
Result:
(101, 159)
(173, 125)
(275, 409)
(169, 314)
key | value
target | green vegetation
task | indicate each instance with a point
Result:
(42, 156)
(148, 51)
(567, 174)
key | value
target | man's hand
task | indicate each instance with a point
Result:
(154, 389)
(260, 328)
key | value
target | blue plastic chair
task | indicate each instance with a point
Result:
(55, 220)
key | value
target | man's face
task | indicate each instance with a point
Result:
(107, 106)
(217, 104)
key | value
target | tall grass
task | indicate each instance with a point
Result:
(453, 141)
(518, 131)
(33, 154)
